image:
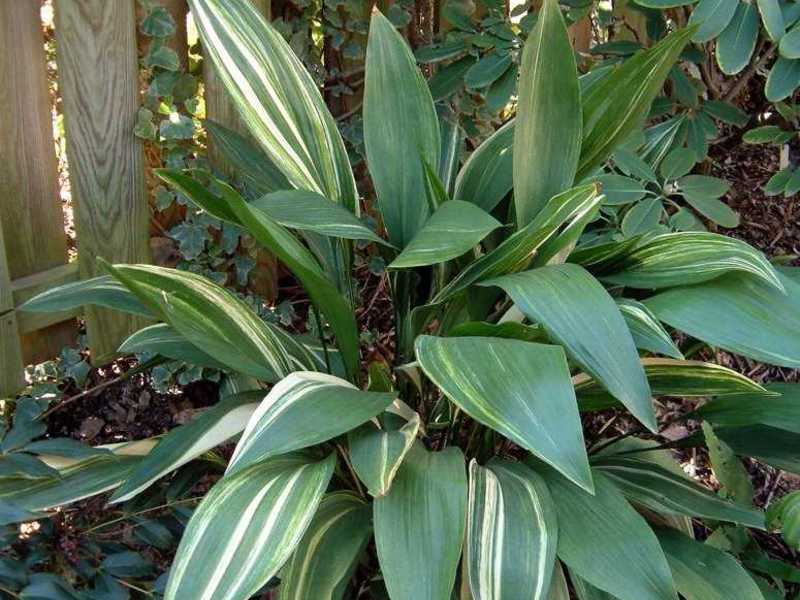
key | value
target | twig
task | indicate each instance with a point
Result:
(9, 592)
(350, 112)
(134, 587)
(737, 87)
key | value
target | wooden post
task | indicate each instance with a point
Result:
(99, 80)
(11, 365)
(31, 212)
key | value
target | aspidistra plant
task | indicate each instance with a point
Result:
(467, 461)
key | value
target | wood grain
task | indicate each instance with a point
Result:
(98, 75)
(11, 365)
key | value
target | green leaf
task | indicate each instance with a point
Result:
(520, 389)
(396, 95)
(734, 480)
(715, 210)
(784, 516)
(163, 340)
(158, 23)
(209, 317)
(454, 229)
(508, 329)
(328, 554)
(500, 92)
(688, 257)
(643, 217)
(772, 18)
(781, 412)
(187, 442)
(420, 523)
(301, 410)
(661, 4)
(547, 135)
(776, 447)
(711, 17)
(487, 174)
(607, 543)
(232, 208)
(251, 164)
(517, 250)
(308, 211)
(503, 558)
(246, 527)
(647, 332)
(619, 189)
(579, 314)
(102, 291)
(704, 573)
(726, 112)
(377, 453)
(783, 79)
(487, 70)
(703, 186)
(450, 78)
(652, 486)
(790, 43)
(615, 106)
(669, 377)
(735, 45)
(677, 163)
(631, 164)
(276, 97)
(767, 325)
(771, 134)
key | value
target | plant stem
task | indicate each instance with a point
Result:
(141, 512)
(322, 339)
(352, 471)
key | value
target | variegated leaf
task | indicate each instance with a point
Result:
(163, 340)
(304, 409)
(486, 176)
(102, 291)
(419, 525)
(512, 533)
(187, 442)
(648, 333)
(377, 453)
(276, 97)
(246, 528)
(328, 553)
(687, 257)
(578, 313)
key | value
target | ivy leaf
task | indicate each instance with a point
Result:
(159, 23)
(162, 57)
(191, 238)
(177, 127)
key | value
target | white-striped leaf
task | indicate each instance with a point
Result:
(276, 98)
(246, 528)
(606, 542)
(739, 314)
(163, 340)
(685, 258)
(781, 412)
(304, 409)
(487, 174)
(520, 389)
(401, 131)
(102, 291)
(329, 551)
(211, 318)
(511, 533)
(419, 525)
(651, 485)
(547, 134)
(187, 442)
(377, 453)
(232, 208)
(452, 230)
(670, 377)
(308, 211)
(579, 314)
(648, 333)
(517, 250)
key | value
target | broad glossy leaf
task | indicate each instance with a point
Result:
(703, 186)
(735, 45)
(712, 17)
(520, 389)
(329, 551)
(187, 442)
(657, 488)
(772, 18)
(308, 211)
(677, 163)
(619, 189)
(486, 176)
(420, 523)
(615, 106)
(647, 332)
(734, 480)
(163, 340)
(781, 412)
(395, 96)
(784, 516)
(232, 208)
(454, 229)
(301, 410)
(518, 249)
(715, 210)
(790, 43)
(737, 313)
(579, 314)
(776, 447)
(547, 134)
(643, 217)
(250, 163)
(210, 317)
(783, 79)
(684, 258)
(102, 291)
(703, 572)
(607, 543)
(276, 97)
(511, 532)
(245, 528)
(377, 453)
(487, 70)
(726, 112)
